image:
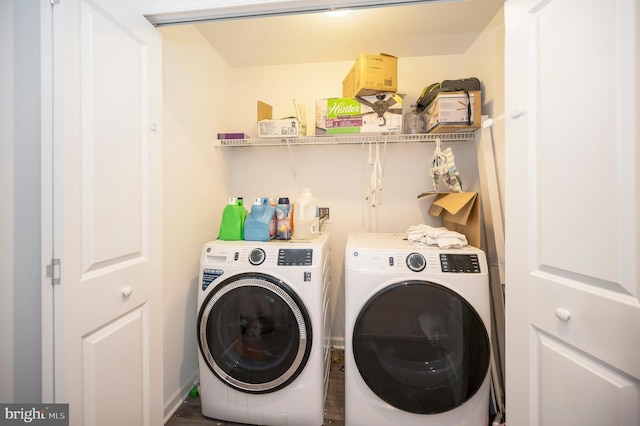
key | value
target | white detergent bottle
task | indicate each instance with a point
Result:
(305, 220)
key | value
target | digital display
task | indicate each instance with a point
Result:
(460, 263)
(295, 257)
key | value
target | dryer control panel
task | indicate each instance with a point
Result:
(460, 263)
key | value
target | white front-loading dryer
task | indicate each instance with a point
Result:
(263, 331)
(417, 327)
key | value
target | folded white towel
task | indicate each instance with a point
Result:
(432, 236)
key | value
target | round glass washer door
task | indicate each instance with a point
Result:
(254, 333)
(421, 347)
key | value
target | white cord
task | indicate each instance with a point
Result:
(367, 193)
(373, 193)
(293, 167)
(377, 189)
(376, 179)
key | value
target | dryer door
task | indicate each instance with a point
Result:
(421, 347)
(254, 333)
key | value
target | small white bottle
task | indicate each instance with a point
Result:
(305, 220)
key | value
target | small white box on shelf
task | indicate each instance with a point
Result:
(285, 127)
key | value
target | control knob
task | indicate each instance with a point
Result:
(416, 262)
(257, 256)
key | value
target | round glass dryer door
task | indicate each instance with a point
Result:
(254, 333)
(421, 347)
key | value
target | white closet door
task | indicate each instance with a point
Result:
(572, 212)
(107, 112)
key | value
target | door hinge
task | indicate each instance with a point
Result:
(54, 2)
(53, 271)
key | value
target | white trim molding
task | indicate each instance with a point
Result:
(170, 12)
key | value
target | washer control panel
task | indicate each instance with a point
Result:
(295, 257)
(460, 263)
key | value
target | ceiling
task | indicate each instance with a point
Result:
(425, 29)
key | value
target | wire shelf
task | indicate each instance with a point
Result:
(347, 139)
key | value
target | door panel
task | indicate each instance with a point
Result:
(113, 143)
(606, 387)
(105, 364)
(108, 100)
(572, 235)
(564, 241)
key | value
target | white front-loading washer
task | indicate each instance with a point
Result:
(263, 331)
(417, 327)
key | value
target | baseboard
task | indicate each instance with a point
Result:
(337, 342)
(178, 398)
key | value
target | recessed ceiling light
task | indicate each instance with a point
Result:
(337, 12)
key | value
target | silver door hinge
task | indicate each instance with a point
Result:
(53, 271)
(54, 2)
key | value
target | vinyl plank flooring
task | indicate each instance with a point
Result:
(190, 413)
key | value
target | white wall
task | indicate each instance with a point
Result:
(195, 191)
(7, 195)
(486, 60)
(20, 266)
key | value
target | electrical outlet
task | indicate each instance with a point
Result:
(323, 213)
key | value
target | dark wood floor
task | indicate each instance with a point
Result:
(190, 413)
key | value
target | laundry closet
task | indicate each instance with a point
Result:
(204, 96)
(572, 304)
(542, 57)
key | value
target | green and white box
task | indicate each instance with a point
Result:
(381, 113)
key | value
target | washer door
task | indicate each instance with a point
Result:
(421, 347)
(254, 333)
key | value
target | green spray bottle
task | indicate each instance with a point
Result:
(232, 224)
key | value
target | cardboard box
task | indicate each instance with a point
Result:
(449, 112)
(381, 113)
(265, 111)
(285, 127)
(459, 211)
(371, 74)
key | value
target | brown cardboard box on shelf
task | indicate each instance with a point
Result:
(265, 111)
(459, 211)
(371, 74)
(448, 113)
(285, 127)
